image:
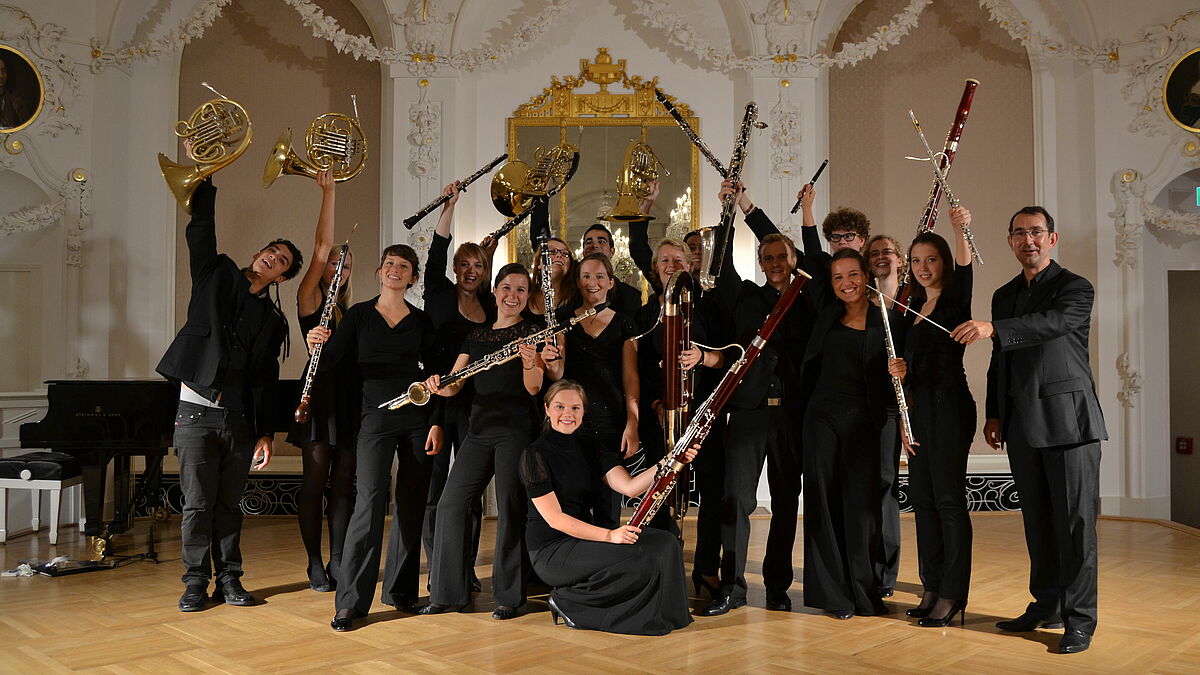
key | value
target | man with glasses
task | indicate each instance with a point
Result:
(1041, 403)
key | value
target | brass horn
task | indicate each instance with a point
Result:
(334, 141)
(218, 132)
(516, 184)
(634, 183)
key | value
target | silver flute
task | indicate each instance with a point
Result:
(897, 383)
(939, 174)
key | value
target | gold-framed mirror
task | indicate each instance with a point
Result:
(22, 91)
(602, 124)
(1181, 91)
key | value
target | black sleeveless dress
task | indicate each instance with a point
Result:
(335, 407)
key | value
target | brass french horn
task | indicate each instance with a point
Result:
(334, 141)
(219, 132)
(516, 184)
(634, 183)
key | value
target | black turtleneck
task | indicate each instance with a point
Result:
(572, 466)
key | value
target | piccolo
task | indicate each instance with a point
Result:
(691, 133)
(808, 185)
(310, 372)
(416, 217)
(939, 174)
(419, 394)
(897, 383)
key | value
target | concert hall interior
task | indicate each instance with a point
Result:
(1044, 444)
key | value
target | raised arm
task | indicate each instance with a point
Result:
(201, 232)
(308, 295)
(961, 217)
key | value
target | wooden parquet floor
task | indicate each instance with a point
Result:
(125, 620)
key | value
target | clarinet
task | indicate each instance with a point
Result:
(418, 394)
(508, 226)
(800, 201)
(897, 384)
(722, 232)
(691, 133)
(416, 217)
(310, 372)
(548, 294)
(929, 216)
(702, 421)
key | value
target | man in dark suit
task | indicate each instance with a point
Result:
(226, 360)
(598, 239)
(1041, 403)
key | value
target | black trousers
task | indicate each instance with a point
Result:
(457, 419)
(709, 469)
(1059, 489)
(215, 447)
(481, 457)
(937, 489)
(751, 437)
(379, 442)
(887, 561)
(841, 507)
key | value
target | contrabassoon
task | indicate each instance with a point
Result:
(706, 414)
(441, 199)
(946, 158)
(301, 414)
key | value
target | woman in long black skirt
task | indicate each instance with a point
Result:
(389, 340)
(846, 362)
(943, 419)
(621, 580)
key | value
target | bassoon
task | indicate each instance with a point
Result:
(441, 199)
(679, 385)
(706, 414)
(945, 159)
(301, 414)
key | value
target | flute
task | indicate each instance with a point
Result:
(897, 384)
(416, 217)
(939, 175)
(810, 183)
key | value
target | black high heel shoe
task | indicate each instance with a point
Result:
(319, 581)
(435, 608)
(556, 613)
(922, 610)
(698, 581)
(344, 623)
(942, 622)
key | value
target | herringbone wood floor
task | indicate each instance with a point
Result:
(125, 620)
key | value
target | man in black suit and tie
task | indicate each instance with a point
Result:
(1041, 403)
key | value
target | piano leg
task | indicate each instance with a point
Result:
(93, 497)
(122, 496)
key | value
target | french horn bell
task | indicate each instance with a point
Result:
(219, 131)
(334, 141)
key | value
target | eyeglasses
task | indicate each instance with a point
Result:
(559, 253)
(881, 253)
(845, 236)
(1035, 234)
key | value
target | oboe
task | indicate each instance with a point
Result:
(808, 185)
(897, 384)
(939, 175)
(704, 417)
(416, 217)
(418, 393)
(310, 372)
(691, 133)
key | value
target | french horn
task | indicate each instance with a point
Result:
(635, 183)
(516, 184)
(217, 133)
(334, 141)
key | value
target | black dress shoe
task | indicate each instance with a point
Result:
(402, 604)
(232, 593)
(504, 612)
(344, 621)
(842, 614)
(193, 598)
(435, 608)
(1074, 641)
(942, 622)
(318, 578)
(779, 602)
(1027, 622)
(722, 605)
(887, 592)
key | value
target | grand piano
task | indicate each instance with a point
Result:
(102, 421)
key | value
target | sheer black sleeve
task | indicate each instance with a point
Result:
(534, 473)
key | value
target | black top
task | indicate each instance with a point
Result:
(842, 373)
(230, 343)
(441, 304)
(596, 363)
(389, 358)
(935, 362)
(878, 396)
(501, 401)
(333, 393)
(573, 468)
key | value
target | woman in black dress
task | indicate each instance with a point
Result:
(389, 340)
(456, 306)
(562, 280)
(599, 354)
(326, 440)
(620, 580)
(500, 428)
(846, 373)
(943, 419)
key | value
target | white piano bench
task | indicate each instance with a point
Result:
(37, 471)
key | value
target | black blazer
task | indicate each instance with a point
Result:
(1040, 360)
(880, 396)
(203, 343)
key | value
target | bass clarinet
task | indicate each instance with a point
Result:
(418, 393)
(702, 421)
(897, 383)
(946, 158)
(301, 414)
(716, 239)
(428, 209)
